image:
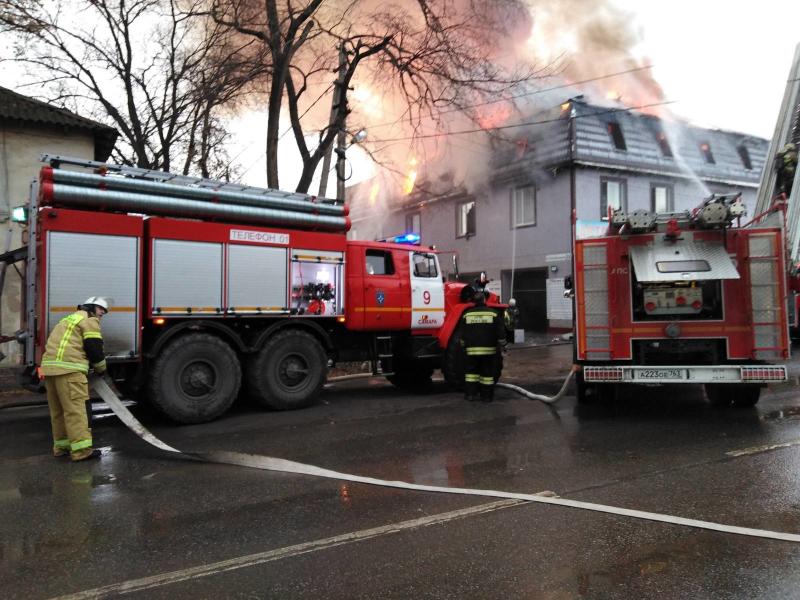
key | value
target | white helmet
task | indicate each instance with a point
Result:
(97, 301)
(512, 302)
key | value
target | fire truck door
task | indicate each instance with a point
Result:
(427, 291)
(386, 295)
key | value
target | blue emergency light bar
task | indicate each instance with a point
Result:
(407, 238)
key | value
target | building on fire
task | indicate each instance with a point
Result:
(579, 156)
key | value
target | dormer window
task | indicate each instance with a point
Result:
(615, 132)
(663, 144)
(744, 154)
(705, 150)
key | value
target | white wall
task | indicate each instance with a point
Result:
(688, 193)
(20, 150)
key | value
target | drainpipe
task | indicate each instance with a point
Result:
(572, 215)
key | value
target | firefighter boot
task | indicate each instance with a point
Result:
(86, 454)
(487, 389)
(471, 387)
(61, 448)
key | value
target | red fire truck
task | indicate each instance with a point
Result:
(681, 298)
(217, 287)
(689, 297)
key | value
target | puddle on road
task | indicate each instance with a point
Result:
(785, 414)
(98, 480)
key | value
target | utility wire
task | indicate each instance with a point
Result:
(523, 95)
(477, 105)
(525, 124)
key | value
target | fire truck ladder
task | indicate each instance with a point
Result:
(596, 308)
(787, 129)
(765, 297)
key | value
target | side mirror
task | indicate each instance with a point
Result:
(568, 282)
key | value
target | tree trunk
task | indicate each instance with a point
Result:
(273, 125)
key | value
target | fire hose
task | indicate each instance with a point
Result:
(531, 396)
(270, 463)
(510, 386)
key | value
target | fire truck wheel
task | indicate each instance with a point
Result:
(288, 372)
(408, 378)
(584, 392)
(607, 393)
(747, 395)
(719, 395)
(195, 379)
(453, 364)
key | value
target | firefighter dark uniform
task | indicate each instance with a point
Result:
(74, 345)
(785, 167)
(483, 336)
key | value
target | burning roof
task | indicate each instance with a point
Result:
(621, 138)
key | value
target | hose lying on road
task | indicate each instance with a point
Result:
(270, 463)
(539, 397)
(509, 386)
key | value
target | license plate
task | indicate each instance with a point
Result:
(660, 374)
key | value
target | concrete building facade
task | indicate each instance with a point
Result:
(29, 128)
(517, 227)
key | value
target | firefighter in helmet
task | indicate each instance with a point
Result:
(511, 319)
(74, 345)
(785, 167)
(483, 337)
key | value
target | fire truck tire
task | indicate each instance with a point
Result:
(408, 378)
(718, 396)
(195, 379)
(607, 393)
(288, 372)
(584, 392)
(722, 395)
(453, 363)
(746, 396)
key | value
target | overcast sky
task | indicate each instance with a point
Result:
(724, 62)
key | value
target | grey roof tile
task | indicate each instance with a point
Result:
(548, 145)
(21, 109)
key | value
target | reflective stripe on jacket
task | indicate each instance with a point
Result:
(482, 331)
(74, 344)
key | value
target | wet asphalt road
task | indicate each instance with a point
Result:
(138, 513)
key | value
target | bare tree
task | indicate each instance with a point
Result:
(160, 71)
(435, 55)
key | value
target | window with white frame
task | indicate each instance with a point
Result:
(612, 193)
(523, 206)
(661, 198)
(465, 219)
(413, 223)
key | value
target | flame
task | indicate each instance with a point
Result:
(411, 177)
(373, 193)
(494, 115)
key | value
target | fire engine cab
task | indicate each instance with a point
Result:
(218, 287)
(681, 298)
